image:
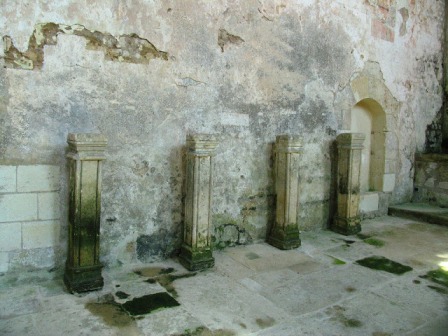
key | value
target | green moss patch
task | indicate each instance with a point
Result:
(383, 264)
(374, 242)
(439, 289)
(438, 276)
(337, 261)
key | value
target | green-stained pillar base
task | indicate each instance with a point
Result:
(196, 251)
(284, 232)
(347, 220)
(347, 226)
(85, 156)
(196, 261)
(83, 279)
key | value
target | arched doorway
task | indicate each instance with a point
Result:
(374, 110)
(368, 117)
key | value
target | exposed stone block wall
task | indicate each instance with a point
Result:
(29, 214)
(431, 179)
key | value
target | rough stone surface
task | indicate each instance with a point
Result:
(347, 218)
(145, 74)
(284, 231)
(254, 290)
(431, 179)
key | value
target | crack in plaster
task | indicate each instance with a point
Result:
(129, 48)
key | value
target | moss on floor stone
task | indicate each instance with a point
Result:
(383, 264)
(375, 242)
(438, 276)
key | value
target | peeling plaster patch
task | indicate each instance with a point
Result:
(269, 11)
(384, 17)
(405, 15)
(382, 31)
(126, 48)
(224, 39)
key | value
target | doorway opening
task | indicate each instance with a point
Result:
(368, 117)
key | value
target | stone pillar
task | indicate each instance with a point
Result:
(347, 220)
(285, 230)
(85, 156)
(196, 250)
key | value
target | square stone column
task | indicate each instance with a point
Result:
(284, 232)
(347, 220)
(85, 156)
(196, 250)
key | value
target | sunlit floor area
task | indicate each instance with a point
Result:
(388, 280)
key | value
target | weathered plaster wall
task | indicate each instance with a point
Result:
(445, 66)
(146, 73)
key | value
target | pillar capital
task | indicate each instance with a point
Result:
(202, 143)
(351, 140)
(289, 143)
(87, 146)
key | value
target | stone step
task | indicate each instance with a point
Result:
(421, 211)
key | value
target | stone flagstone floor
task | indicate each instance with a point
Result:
(317, 289)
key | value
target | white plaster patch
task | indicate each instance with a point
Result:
(235, 119)
(8, 178)
(49, 205)
(37, 178)
(388, 182)
(40, 234)
(369, 202)
(4, 261)
(18, 207)
(10, 237)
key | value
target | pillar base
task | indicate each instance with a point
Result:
(196, 261)
(83, 279)
(347, 226)
(285, 240)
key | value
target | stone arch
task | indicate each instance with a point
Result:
(368, 117)
(372, 101)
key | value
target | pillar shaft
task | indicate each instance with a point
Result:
(284, 232)
(85, 156)
(347, 220)
(196, 251)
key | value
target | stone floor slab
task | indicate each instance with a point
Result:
(316, 289)
(434, 327)
(265, 257)
(19, 301)
(220, 302)
(176, 321)
(412, 293)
